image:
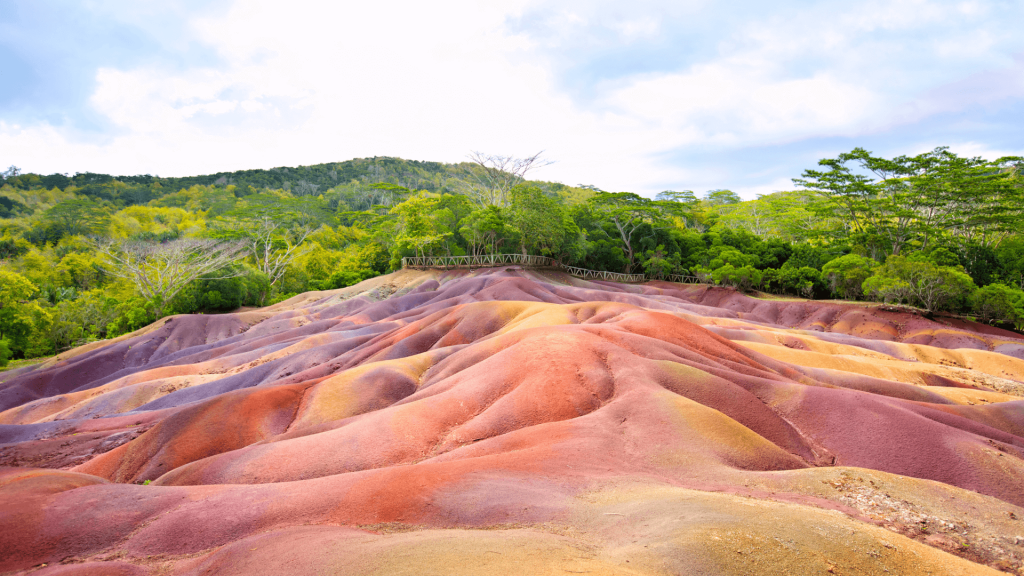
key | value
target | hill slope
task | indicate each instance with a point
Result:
(436, 422)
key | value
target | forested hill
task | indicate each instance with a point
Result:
(348, 183)
(93, 256)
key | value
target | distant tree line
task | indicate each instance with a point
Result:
(93, 256)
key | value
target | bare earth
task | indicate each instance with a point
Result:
(511, 421)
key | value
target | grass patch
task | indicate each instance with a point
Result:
(15, 364)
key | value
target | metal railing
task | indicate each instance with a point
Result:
(491, 260)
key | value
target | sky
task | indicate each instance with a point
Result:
(642, 96)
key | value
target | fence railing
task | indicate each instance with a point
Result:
(678, 279)
(481, 261)
(603, 275)
(491, 260)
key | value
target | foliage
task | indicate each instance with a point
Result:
(538, 221)
(80, 216)
(784, 216)
(160, 271)
(273, 229)
(132, 315)
(999, 303)
(659, 262)
(223, 291)
(744, 278)
(5, 353)
(941, 223)
(21, 320)
(920, 283)
(847, 274)
(82, 319)
(633, 217)
(721, 196)
(1010, 256)
(346, 278)
(485, 230)
(893, 204)
(803, 280)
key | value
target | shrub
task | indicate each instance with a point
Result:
(770, 280)
(23, 322)
(1010, 255)
(346, 278)
(743, 278)
(5, 353)
(723, 255)
(702, 273)
(921, 283)
(846, 275)
(132, 314)
(801, 281)
(999, 303)
(943, 257)
(218, 294)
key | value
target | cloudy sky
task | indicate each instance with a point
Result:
(641, 96)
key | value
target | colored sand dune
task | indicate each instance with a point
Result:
(511, 421)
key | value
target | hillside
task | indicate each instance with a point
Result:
(938, 232)
(521, 421)
(343, 182)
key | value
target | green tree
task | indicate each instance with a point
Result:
(722, 197)
(485, 230)
(1010, 255)
(80, 217)
(160, 271)
(82, 270)
(999, 303)
(917, 199)
(782, 215)
(346, 278)
(659, 263)
(870, 204)
(629, 213)
(846, 275)
(685, 197)
(386, 194)
(5, 352)
(800, 280)
(20, 318)
(537, 219)
(418, 231)
(921, 283)
(744, 278)
(274, 229)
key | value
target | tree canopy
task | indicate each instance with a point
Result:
(90, 256)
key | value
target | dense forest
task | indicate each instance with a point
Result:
(93, 256)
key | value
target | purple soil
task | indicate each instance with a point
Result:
(500, 397)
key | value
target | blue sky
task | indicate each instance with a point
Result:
(644, 96)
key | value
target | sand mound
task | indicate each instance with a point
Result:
(508, 420)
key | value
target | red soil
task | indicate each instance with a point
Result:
(517, 401)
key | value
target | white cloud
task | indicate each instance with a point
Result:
(776, 185)
(637, 28)
(733, 103)
(428, 85)
(972, 149)
(311, 82)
